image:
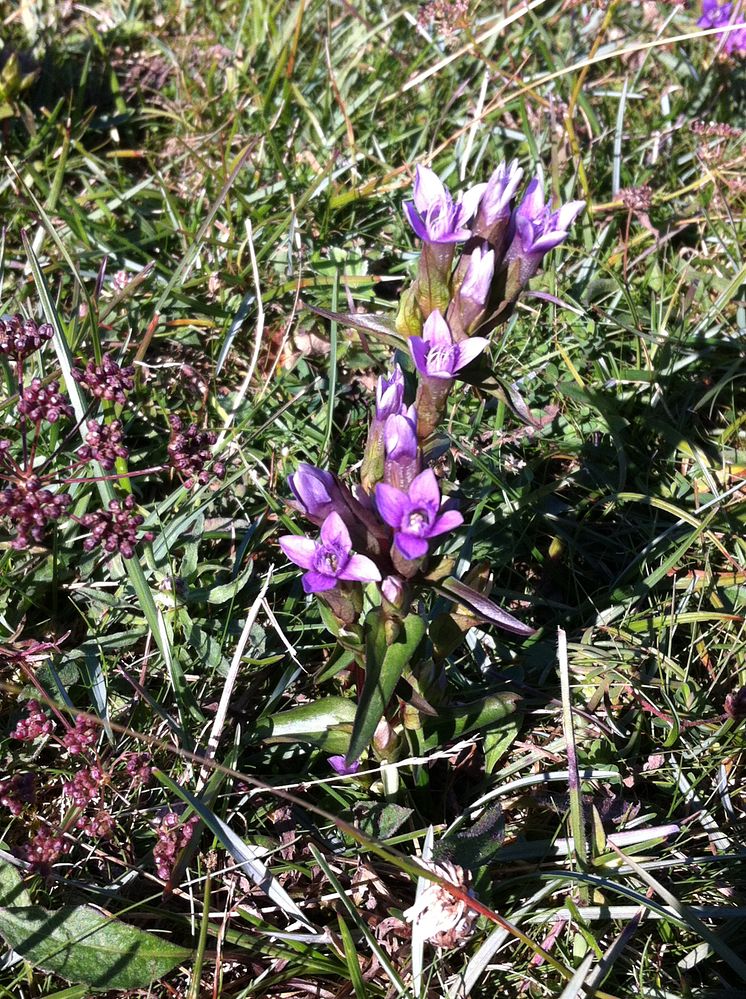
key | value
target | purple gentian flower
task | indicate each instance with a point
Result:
(338, 765)
(478, 278)
(433, 215)
(415, 515)
(502, 185)
(330, 559)
(315, 490)
(716, 15)
(390, 395)
(435, 354)
(537, 228)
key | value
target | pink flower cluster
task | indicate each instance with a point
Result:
(85, 786)
(172, 838)
(34, 725)
(17, 791)
(81, 737)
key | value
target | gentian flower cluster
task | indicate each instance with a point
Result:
(376, 539)
(504, 245)
(730, 17)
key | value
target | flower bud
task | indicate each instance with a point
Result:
(395, 593)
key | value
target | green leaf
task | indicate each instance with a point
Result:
(225, 591)
(12, 891)
(381, 820)
(325, 723)
(83, 946)
(455, 722)
(384, 664)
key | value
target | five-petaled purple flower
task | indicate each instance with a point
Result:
(715, 15)
(435, 354)
(434, 216)
(537, 228)
(415, 515)
(330, 559)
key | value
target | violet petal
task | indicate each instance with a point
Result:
(361, 569)
(393, 504)
(317, 582)
(298, 549)
(410, 546)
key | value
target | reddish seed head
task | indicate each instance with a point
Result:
(43, 850)
(41, 402)
(189, 451)
(106, 380)
(103, 443)
(17, 791)
(21, 337)
(30, 508)
(34, 725)
(735, 705)
(84, 788)
(172, 838)
(115, 529)
(78, 739)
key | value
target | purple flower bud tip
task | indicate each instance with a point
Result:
(501, 188)
(415, 515)
(434, 216)
(400, 436)
(314, 489)
(390, 395)
(330, 559)
(435, 354)
(338, 765)
(478, 278)
(393, 589)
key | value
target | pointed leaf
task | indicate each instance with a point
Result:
(306, 722)
(457, 721)
(384, 327)
(457, 591)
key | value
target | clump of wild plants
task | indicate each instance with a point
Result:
(378, 559)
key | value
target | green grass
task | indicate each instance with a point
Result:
(245, 159)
